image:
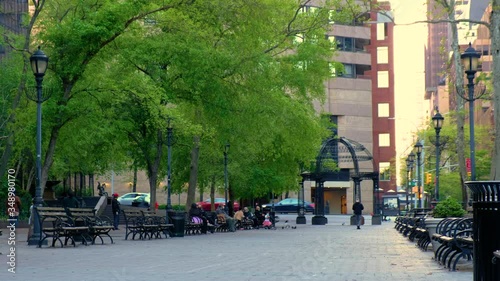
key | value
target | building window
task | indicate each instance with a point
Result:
(382, 55)
(345, 70)
(384, 169)
(383, 79)
(384, 140)
(381, 31)
(349, 71)
(383, 110)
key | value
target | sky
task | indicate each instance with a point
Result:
(411, 110)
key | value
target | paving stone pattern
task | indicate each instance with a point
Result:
(336, 251)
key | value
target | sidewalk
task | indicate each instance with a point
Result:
(330, 252)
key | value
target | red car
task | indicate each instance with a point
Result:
(206, 205)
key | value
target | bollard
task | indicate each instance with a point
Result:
(486, 228)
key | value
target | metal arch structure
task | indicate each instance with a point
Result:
(330, 155)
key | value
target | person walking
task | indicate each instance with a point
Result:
(115, 207)
(358, 210)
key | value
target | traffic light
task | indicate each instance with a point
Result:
(428, 178)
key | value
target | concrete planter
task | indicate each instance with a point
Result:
(430, 225)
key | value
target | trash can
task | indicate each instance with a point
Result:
(178, 220)
(486, 228)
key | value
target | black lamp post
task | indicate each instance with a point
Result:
(169, 166)
(226, 150)
(408, 164)
(470, 59)
(39, 62)
(411, 157)
(437, 120)
(301, 218)
(418, 147)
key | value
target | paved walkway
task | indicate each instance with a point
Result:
(331, 252)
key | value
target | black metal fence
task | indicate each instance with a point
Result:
(486, 228)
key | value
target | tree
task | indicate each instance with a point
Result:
(19, 45)
(458, 81)
(231, 68)
(75, 33)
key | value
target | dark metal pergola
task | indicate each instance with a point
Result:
(335, 150)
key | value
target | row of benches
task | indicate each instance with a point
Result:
(453, 237)
(145, 224)
(414, 228)
(72, 225)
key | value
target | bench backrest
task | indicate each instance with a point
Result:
(87, 212)
(51, 215)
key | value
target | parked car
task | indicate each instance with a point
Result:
(127, 198)
(288, 205)
(142, 201)
(205, 205)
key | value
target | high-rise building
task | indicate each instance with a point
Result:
(360, 102)
(438, 48)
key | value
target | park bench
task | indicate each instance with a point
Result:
(146, 224)
(221, 223)
(134, 223)
(156, 224)
(191, 226)
(99, 226)
(455, 238)
(420, 234)
(55, 223)
(245, 224)
(194, 225)
(403, 224)
(410, 226)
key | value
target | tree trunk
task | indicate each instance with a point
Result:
(154, 168)
(193, 176)
(460, 91)
(134, 181)
(495, 53)
(212, 193)
(49, 157)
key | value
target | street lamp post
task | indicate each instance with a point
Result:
(411, 161)
(470, 59)
(39, 62)
(437, 121)
(408, 164)
(301, 218)
(226, 150)
(418, 148)
(169, 166)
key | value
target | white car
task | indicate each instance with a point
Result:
(126, 199)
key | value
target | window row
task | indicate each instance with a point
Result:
(348, 70)
(349, 44)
